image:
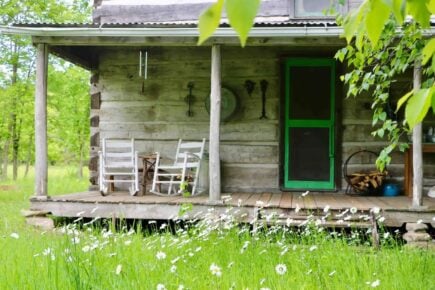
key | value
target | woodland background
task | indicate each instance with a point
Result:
(68, 96)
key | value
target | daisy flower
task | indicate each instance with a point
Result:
(118, 269)
(15, 236)
(281, 269)
(215, 270)
(160, 255)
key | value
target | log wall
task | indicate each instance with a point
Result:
(156, 116)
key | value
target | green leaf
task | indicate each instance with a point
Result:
(403, 100)
(431, 6)
(376, 19)
(241, 14)
(419, 11)
(417, 107)
(209, 21)
(428, 51)
(433, 99)
(399, 10)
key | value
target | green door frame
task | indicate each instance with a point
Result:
(298, 123)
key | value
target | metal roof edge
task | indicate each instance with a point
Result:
(276, 31)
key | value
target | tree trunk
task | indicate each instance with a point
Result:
(80, 169)
(6, 155)
(29, 155)
(14, 125)
(417, 155)
(16, 128)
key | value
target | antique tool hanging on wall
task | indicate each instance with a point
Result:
(143, 67)
(263, 86)
(249, 86)
(190, 99)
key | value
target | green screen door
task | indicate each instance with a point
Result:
(309, 123)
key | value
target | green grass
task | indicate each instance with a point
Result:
(214, 254)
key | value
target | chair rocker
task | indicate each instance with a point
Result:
(181, 176)
(118, 158)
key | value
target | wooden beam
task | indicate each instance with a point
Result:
(215, 114)
(417, 152)
(41, 164)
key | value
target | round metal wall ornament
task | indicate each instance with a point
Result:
(229, 104)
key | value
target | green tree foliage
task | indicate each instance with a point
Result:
(383, 43)
(17, 78)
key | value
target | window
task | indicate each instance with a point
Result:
(313, 8)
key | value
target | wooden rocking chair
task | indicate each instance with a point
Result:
(182, 176)
(118, 158)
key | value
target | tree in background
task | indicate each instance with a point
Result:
(17, 75)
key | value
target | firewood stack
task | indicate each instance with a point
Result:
(366, 182)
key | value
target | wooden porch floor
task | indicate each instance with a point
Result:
(396, 210)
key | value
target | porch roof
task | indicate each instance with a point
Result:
(78, 42)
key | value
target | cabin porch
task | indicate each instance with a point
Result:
(244, 206)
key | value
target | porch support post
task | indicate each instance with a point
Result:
(417, 155)
(41, 164)
(215, 113)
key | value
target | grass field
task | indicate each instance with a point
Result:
(215, 253)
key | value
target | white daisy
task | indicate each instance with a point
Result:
(160, 255)
(353, 210)
(375, 283)
(215, 270)
(281, 269)
(15, 236)
(118, 269)
(173, 269)
(326, 209)
(297, 209)
(313, 248)
(375, 210)
(161, 287)
(75, 240)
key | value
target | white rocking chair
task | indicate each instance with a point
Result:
(182, 176)
(118, 158)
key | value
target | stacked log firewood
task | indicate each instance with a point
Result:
(364, 182)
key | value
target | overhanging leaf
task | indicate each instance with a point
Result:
(418, 9)
(431, 6)
(399, 10)
(376, 18)
(209, 21)
(428, 51)
(353, 22)
(403, 100)
(417, 107)
(433, 99)
(241, 14)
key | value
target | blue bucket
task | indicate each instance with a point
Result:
(390, 189)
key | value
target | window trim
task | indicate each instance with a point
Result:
(293, 16)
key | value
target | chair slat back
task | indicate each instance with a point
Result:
(118, 153)
(189, 149)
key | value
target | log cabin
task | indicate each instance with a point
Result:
(274, 112)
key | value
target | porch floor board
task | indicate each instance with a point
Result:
(397, 210)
